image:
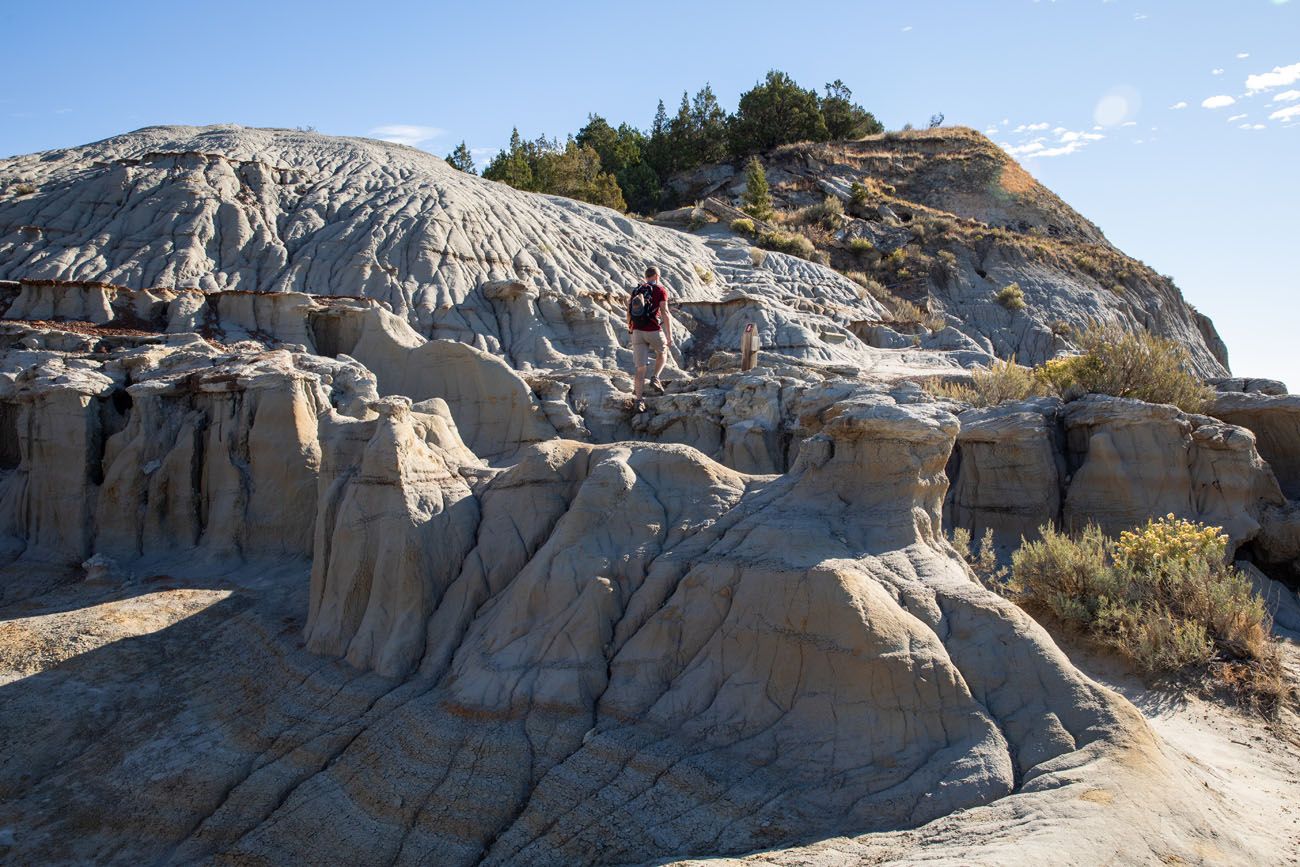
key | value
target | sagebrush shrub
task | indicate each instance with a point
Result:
(1136, 365)
(1011, 296)
(829, 213)
(1160, 595)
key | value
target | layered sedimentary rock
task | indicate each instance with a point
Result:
(1114, 463)
(1274, 419)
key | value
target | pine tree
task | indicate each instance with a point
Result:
(758, 196)
(660, 124)
(658, 149)
(681, 138)
(710, 127)
(461, 159)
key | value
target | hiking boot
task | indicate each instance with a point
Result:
(640, 406)
(657, 385)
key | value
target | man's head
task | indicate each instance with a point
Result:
(652, 273)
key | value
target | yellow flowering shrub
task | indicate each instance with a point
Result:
(1169, 543)
(1161, 595)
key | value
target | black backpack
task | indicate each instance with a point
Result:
(642, 308)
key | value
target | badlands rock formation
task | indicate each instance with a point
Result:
(330, 536)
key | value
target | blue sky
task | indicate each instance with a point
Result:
(1121, 106)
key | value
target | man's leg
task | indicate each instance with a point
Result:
(639, 349)
(661, 356)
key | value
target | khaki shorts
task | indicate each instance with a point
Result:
(645, 342)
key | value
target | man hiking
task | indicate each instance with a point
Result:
(650, 328)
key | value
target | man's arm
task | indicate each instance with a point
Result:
(666, 321)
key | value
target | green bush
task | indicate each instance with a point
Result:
(1136, 365)
(1004, 381)
(787, 242)
(859, 195)
(1161, 595)
(861, 246)
(1011, 296)
(744, 226)
(829, 213)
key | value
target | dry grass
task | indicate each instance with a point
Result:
(787, 242)
(1004, 381)
(744, 226)
(1162, 597)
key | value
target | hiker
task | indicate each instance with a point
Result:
(650, 328)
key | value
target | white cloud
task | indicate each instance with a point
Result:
(1061, 142)
(1235, 117)
(405, 133)
(1280, 76)
(1022, 150)
(1177, 105)
(1062, 151)
(1242, 55)
(1139, 16)
(1129, 123)
(907, 28)
(1252, 126)
(1287, 96)
(991, 131)
(1217, 71)
(1289, 113)
(1220, 101)
(1031, 127)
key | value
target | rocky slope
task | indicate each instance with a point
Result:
(952, 220)
(287, 580)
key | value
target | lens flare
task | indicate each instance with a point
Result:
(1117, 105)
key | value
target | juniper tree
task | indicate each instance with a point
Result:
(758, 196)
(775, 112)
(845, 119)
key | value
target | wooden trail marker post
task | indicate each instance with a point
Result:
(749, 348)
